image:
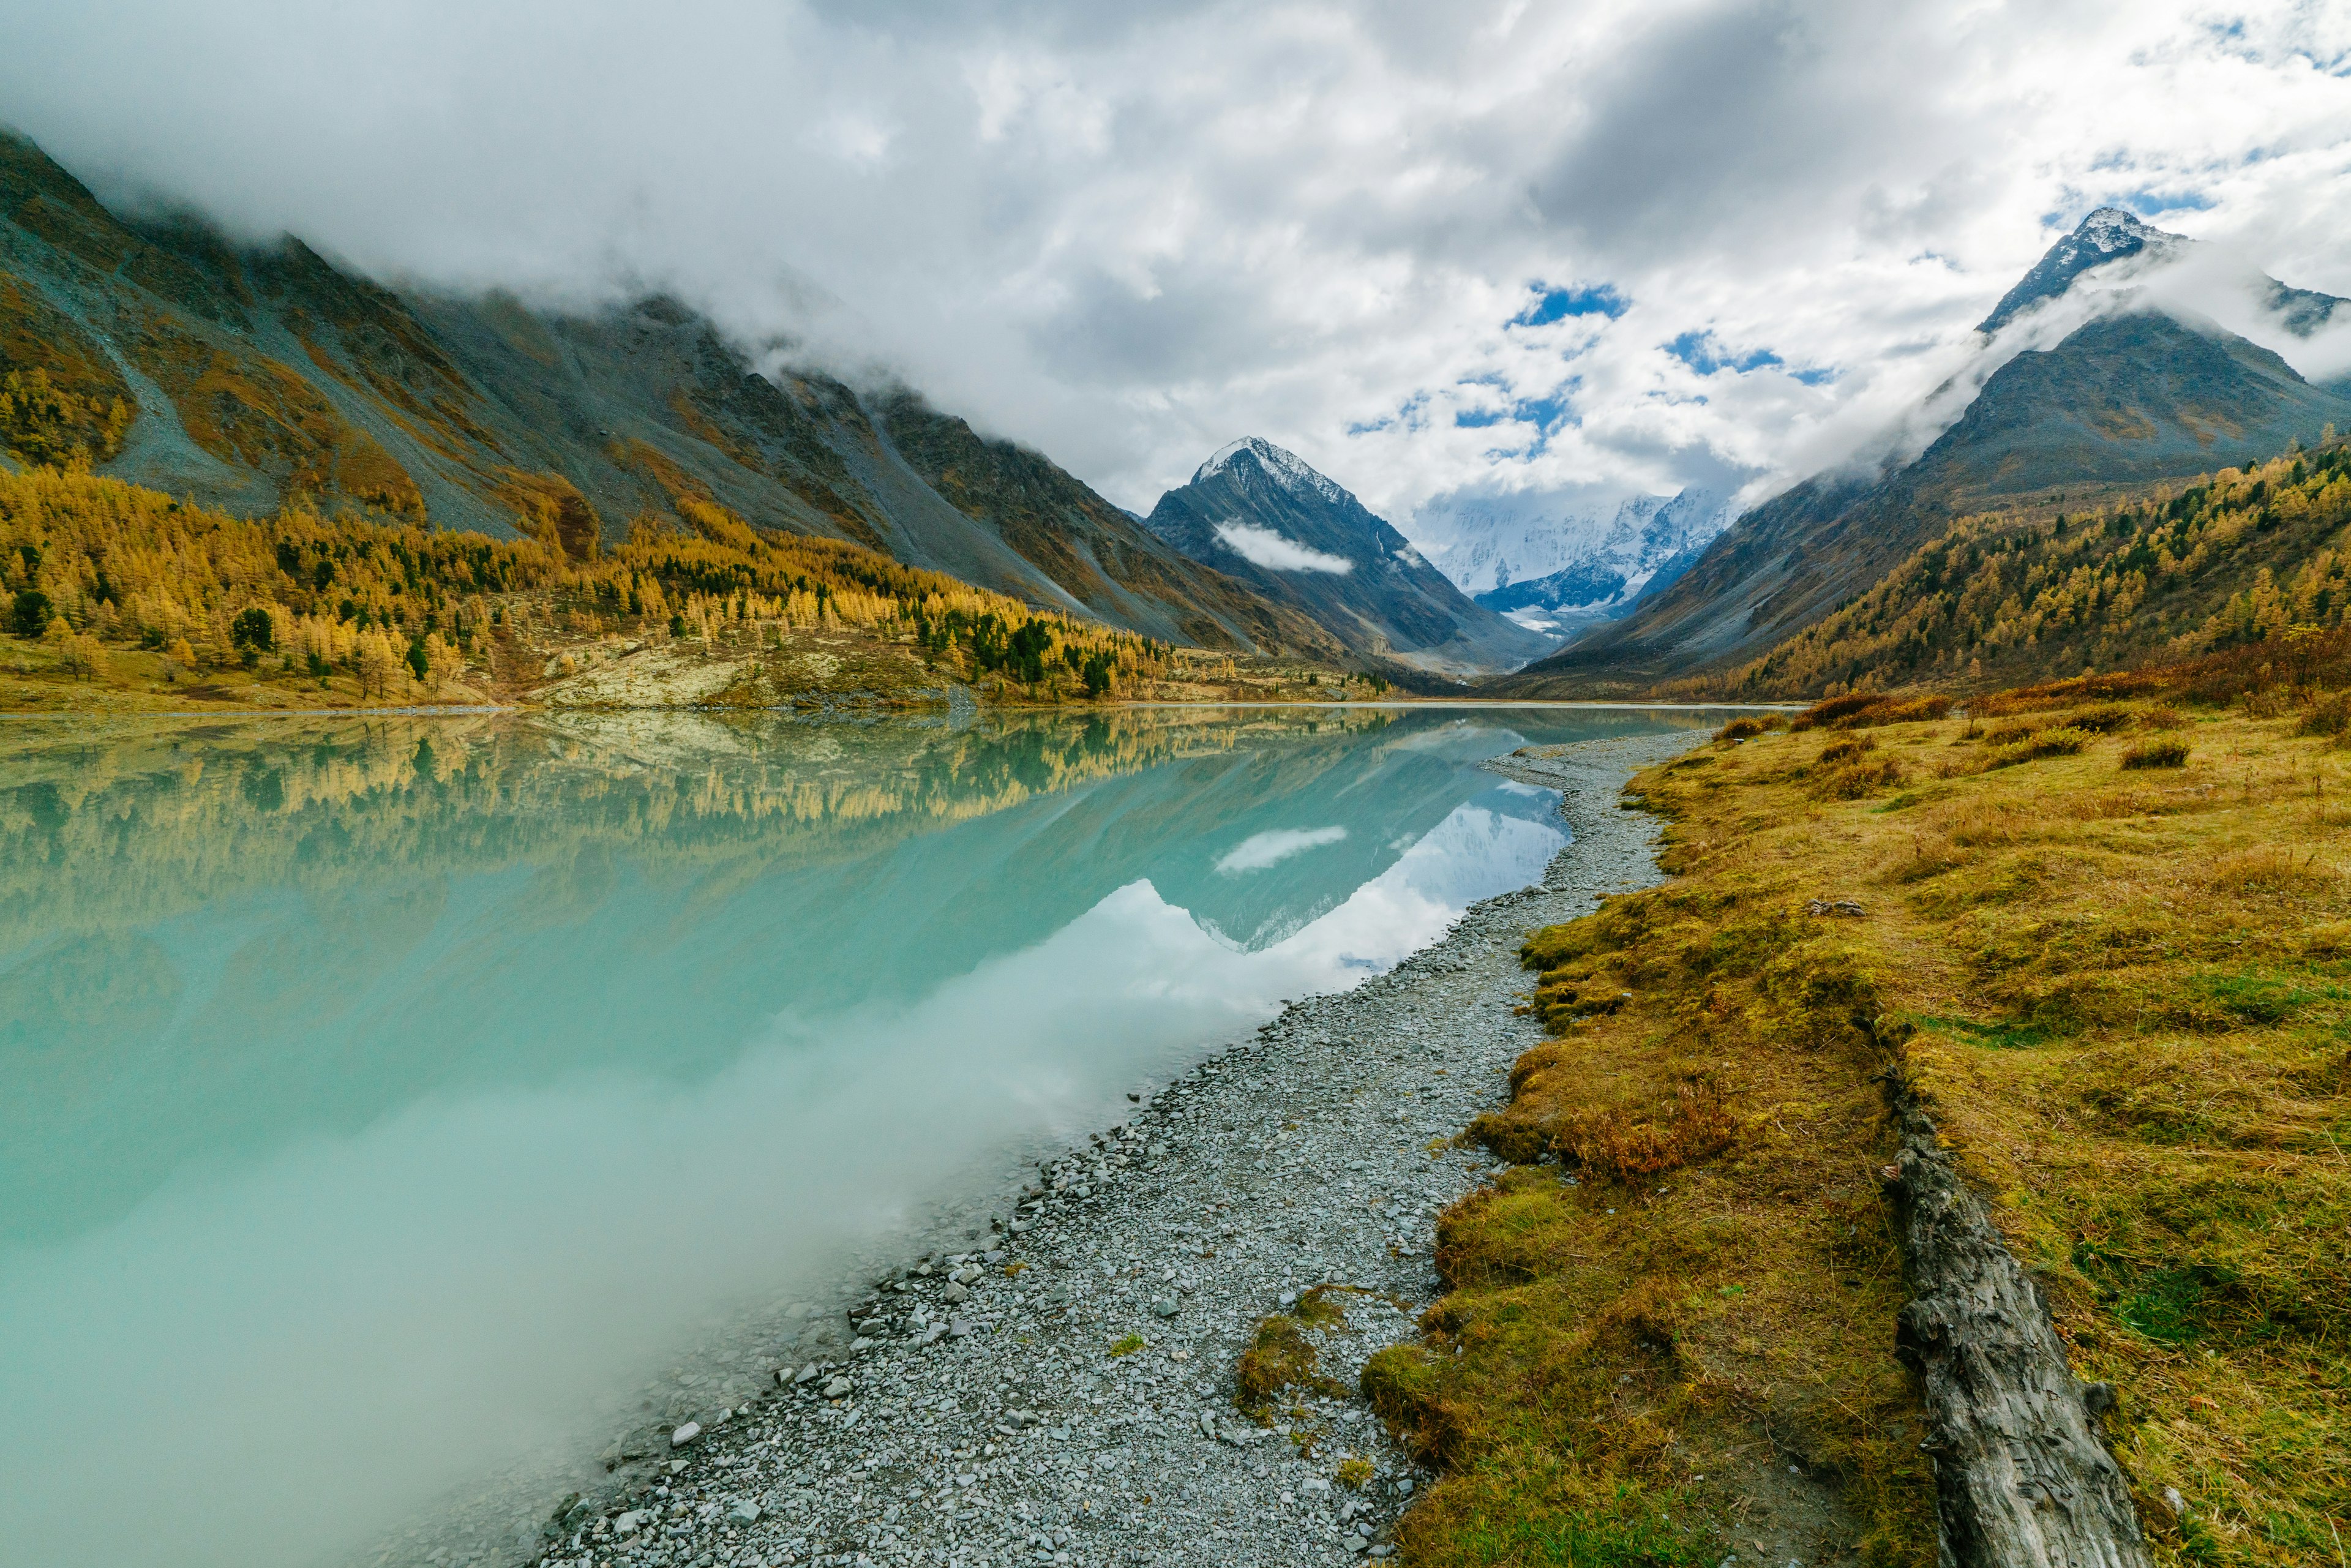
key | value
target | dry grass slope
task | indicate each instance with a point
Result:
(2109, 943)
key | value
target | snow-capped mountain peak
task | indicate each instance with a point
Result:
(1287, 470)
(2112, 229)
(1549, 570)
(1258, 514)
(2107, 235)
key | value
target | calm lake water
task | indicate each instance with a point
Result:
(384, 1097)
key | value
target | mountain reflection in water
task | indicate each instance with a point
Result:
(385, 1096)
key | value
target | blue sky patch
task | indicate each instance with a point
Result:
(2154, 204)
(1701, 352)
(1583, 300)
(1546, 413)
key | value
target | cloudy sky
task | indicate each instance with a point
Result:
(1482, 251)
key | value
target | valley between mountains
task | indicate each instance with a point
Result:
(1905, 1125)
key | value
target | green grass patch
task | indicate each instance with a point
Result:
(2011, 1034)
(2266, 999)
(1641, 1533)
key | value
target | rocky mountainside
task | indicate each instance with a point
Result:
(1259, 514)
(252, 378)
(2127, 398)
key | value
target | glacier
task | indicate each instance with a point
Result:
(1555, 570)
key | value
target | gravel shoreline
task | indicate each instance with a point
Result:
(1062, 1393)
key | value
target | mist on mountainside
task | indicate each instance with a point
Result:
(2198, 283)
(2089, 375)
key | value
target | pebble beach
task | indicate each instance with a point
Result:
(1058, 1387)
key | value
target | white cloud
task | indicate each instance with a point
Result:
(1260, 850)
(1120, 234)
(1271, 551)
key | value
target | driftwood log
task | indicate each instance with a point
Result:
(2023, 1475)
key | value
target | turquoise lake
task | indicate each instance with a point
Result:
(385, 1096)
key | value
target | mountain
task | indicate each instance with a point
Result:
(2031, 593)
(251, 378)
(1262, 515)
(2111, 235)
(1553, 574)
(2136, 395)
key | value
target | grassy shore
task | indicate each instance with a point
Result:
(2107, 945)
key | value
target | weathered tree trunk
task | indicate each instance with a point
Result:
(2022, 1477)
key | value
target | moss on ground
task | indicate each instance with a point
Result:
(2123, 990)
(1282, 1355)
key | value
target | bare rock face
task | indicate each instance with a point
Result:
(2022, 1476)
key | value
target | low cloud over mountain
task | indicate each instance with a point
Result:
(1472, 252)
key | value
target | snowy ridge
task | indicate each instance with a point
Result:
(2112, 229)
(1586, 564)
(1484, 548)
(2108, 235)
(1287, 470)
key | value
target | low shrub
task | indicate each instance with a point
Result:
(1861, 777)
(2162, 752)
(1620, 1143)
(1831, 709)
(1746, 729)
(1856, 709)
(1911, 712)
(2064, 741)
(2331, 715)
(2104, 720)
(2085, 688)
